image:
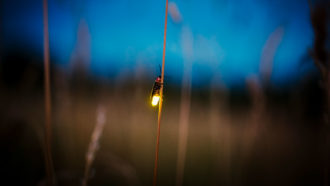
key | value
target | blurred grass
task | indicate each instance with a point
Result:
(286, 151)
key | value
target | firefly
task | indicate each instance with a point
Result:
(155, 93)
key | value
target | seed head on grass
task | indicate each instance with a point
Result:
(94, 143)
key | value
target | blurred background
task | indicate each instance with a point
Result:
(246, 92)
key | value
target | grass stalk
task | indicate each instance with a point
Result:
(47, 151)
(187, 46)
(220, 130)
(160, 101)
(183, 128)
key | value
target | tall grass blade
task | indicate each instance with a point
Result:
(48, 153)
(160, 101)
(94, 143)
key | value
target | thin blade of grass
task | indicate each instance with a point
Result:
(160, 101)
(187, 46)
(48, 153)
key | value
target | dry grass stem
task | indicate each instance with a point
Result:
(160, 101)
(187, 47)
(48, 153)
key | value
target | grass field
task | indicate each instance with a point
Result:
(230, 141)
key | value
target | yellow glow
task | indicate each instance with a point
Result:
(155, 100)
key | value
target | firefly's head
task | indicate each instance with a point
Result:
(158, 79)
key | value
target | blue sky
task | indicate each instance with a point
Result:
(227, 35)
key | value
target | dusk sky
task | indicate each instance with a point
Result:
(227, 36)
